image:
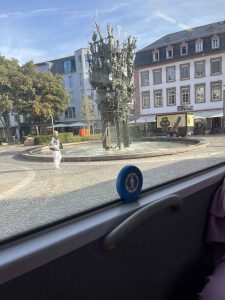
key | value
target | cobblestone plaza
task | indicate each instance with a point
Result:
(34, 193)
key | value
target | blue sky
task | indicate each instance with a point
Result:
(46, 29)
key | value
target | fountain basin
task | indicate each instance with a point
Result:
(141, 148)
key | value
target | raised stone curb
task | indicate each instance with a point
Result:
(193, 144)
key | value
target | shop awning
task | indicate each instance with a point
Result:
(144, 119)
(208, 114)
(58, 126)
(77, 124)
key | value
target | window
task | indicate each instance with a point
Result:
(57, 37)
(170, 74)
(183, 49)
(70, 113)
(17, 118)
(185, 94)
(86, 61)
(70, 80)
(185, 72)
(216, 66)
(200, 93)
(43, 68)
(67, 66)
(200, 68)
(144, 78)
(80, 61)
(169, 52)
(216, 91)
(145, 99)
(157, 76)
(215, 42)
(81, 81)
(171, 96)
(158, 98)
(199, 46)
(155, 54)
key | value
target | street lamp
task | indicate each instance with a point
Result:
(52, 123)
(223, 126)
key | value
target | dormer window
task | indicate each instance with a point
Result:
(169, 52)
(156, 55)
(215, 42)
(183, 49)
(199, 46)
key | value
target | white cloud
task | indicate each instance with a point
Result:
(166, 18)
(30, 13)
(171, 20)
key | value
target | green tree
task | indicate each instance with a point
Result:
(45, 98)
(8, 70)
(87, 109)
(39, 96)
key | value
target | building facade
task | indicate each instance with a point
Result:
(183, 71)
(75, 72)
(15, 121)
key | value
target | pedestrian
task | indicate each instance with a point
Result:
(56, 146)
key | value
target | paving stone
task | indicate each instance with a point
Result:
(34, 193)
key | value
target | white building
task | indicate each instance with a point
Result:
(15, 120)
(182, 71)
(75, 73)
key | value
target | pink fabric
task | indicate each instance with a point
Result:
(216, 227)
(215, 288)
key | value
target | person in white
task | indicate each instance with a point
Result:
(56, 146)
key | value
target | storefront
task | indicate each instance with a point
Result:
(147, 124)
(209, 122)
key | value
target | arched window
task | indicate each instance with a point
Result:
(169, 52)
(215, 42)
(199, 45)
(184, 48)
(155, 54)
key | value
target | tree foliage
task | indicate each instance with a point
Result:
(39, 96)
(8, 70)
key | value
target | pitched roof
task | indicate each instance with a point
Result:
(186, 35)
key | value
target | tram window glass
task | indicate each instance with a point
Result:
(60, 58)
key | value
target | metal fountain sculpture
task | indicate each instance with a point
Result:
(111, 75)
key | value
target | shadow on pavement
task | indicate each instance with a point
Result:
(25, 214)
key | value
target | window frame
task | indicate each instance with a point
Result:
(181, 97)
(66, 63)
(167, 96)
(211, 61)
(153, 55)
(184, 44)
(196, 62)
(153, 72)
(86, 61)
(33, 250)
(182, 65)
(70, 81)
(196, 86)
(157, 91)
(211, 89)
(199, 41)
(167, 79)
(169, 48)
(144, 72)
(217, 38)
(142, 99)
